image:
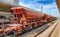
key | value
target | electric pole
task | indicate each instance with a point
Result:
(41, 8)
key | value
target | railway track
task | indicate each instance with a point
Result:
(34, 32)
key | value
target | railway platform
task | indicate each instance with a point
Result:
(49, 31)
(56, 32)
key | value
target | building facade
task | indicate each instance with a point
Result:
(10, 2)
(5, 5)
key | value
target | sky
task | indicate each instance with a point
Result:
(49, 6)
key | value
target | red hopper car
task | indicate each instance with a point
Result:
(24, 19)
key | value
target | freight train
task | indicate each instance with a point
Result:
(24, 20)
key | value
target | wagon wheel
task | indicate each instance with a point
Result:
(33, 26)
(8, 32)
(39, 24)
(26, 29)
(1, 33)
(5, 33)
(15, 33)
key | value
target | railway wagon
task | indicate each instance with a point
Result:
(24, 20)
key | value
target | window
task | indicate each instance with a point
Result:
(2, 17)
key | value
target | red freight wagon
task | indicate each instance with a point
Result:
(25, 19)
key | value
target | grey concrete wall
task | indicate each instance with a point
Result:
(11, 2)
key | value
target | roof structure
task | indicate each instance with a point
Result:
(58, 4)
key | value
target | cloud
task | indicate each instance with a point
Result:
(48, 8)
(51, 9)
